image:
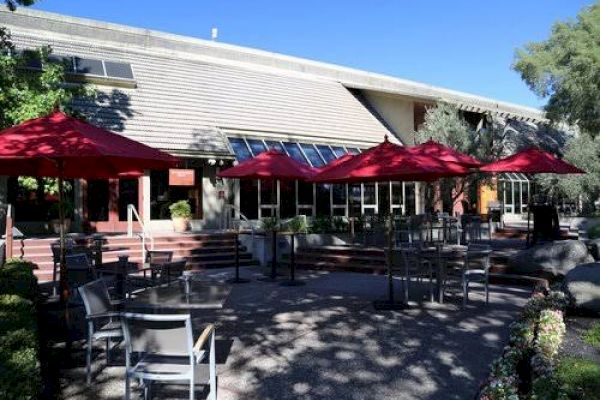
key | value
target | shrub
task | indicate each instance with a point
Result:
(16, 277)
(581, 378)
(592, 335)
(20, 376)
(270, 224)
(594, 232)
(181, 209)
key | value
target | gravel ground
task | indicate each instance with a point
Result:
(325, 341)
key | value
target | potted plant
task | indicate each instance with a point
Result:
(181, 213)
(53, 216)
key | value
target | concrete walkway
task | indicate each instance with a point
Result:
(325, 341)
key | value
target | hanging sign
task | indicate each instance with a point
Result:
(181, 177)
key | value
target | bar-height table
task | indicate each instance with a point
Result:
(440, 254)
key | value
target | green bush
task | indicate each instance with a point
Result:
(181, 209)
(20, 376)
(594, 232)
(16, 277)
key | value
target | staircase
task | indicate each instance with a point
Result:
(203, 251)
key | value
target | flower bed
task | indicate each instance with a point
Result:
(19, 363)
(526, 369)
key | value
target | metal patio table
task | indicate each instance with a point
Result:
(120, 270)
(440, 254)
(182, 296)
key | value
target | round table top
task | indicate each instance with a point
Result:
(202, 295)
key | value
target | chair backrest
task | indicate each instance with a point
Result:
(158, 334)
(176, 267)
(79, 269)
(479, 253)
(95, 297)
(154, 257)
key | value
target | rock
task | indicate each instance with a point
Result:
(594, 248)
(553, 259)
(583, 284)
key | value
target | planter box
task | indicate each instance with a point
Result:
(261, 246)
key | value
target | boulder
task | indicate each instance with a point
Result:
(550, 260)
(594, 247)
(583, 284)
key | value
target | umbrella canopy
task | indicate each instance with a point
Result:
(270, 165)
(444, 153)
(334, 163)
(61, 145)
(389, 162)
(532, 161)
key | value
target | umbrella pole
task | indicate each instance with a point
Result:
(64, 288)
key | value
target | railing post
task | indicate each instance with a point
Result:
(129, 220)
(8, 244)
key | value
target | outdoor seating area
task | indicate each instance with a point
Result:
(188, 219)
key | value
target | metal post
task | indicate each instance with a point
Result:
(9, 232)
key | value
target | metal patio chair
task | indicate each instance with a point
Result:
(413, 266)
(102, 319)
(478, 255)
(165, 351)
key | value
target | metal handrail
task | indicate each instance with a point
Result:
(230, 207)
(132, 212)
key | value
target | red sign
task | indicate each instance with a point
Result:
(181, 177)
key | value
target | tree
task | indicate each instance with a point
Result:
(565, 69)
(444, 124)
(12, 4)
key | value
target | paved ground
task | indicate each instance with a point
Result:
(325, 341)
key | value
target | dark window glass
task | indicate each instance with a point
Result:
(128, 194)
(384, 197)
(240, 149)
(97, 200)
(66, 61)
(369, 195)
(354, 199)
(294, 152)
(257, 146)
(268, 193)
(409, 188)
(287, 195)
(312, 155)
(249, 198)
(89, 66)
(273, 145)
(326, 153)
(32, 59)
(338, 151)
(396, 193)
(305, 193)
(339, 194)
(118, 70)
(323, 200)
(353, 150)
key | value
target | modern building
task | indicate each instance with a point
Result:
(213, 103)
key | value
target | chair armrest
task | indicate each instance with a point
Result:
(107, 314)
(210, 329)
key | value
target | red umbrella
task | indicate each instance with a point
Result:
(64, 147)
(444, 153)
(270, 165)
(334, 163)
(532, 161)
(60, 145)
(389, 162)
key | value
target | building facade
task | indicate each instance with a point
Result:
(212, 103)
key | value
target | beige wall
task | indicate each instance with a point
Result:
(398, 113)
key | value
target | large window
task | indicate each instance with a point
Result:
(128, 194)
(240, 149)
(257, 146)
(294, 151)
(312, 155)
(514, 191)
(97, 200)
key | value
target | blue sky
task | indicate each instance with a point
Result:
(466, 45)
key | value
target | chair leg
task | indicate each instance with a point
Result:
(127, 387)
(192, 389)
(465, 290)
(88, 357)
